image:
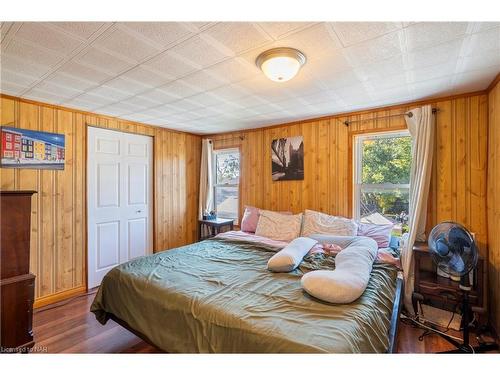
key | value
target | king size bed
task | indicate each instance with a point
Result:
(217, 296)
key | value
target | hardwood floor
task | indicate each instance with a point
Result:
(69, 327)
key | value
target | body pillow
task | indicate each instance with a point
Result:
(317, 222)
(251, 218)
(348, 281)
(381, 233)
(280, 227)
(289, 258)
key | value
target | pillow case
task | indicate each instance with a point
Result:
(349, 280)
(289, 258)
(381, 233)
(277, 226)
(318, 222)
(251, 218)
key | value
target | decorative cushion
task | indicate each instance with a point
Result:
(278, 226)
(251, 218)
(318, 222)
(289, 258)
(381, 233)
(348, 281)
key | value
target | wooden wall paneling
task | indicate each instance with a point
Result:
(493, 205)
(59, 234)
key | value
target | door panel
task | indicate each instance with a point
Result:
(108, 245)
(137, 183)
(120, 189)
(108, 185)
(137, 237)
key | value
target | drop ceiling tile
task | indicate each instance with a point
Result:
(206, 99)
(251, 101)
(381, 68)
(11, 88)
(162, 33)
(14, 77)
(23, 66)
(278, 30)
(230, 92)
(108, 92)
(486, 41)
(476, 80)
(79, 103)
(160, 95)
(67, 80)
(40, 34)
(314, 42)
(82, 30)
(170, 65)
(436, 55)
(91, 98)
(234, 70)
(31, 53)
(428, 34)
(483, 60)
(374, 50)
(146, 76)
(54, 97)
(388, 82)
(50, 87)
(123, 43)
(351, 33)
(434, 71)
(237, 36)
(127, 86)
(101, 60)
(83, 72)
(141, 101)
(203, 80)
(199, 52)
(181, 88)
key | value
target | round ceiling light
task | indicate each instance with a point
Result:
(280, 64)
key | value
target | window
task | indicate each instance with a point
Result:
(226, 183)
(382, 178)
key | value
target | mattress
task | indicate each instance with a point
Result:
(217, 296)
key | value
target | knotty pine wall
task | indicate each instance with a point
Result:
(494, 204)
(58, 220)
(458, 189)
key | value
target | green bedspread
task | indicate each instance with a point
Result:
(217, 296)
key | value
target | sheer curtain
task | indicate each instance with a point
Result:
(422, 130)
(206, 178)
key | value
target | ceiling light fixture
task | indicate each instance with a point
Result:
(280, 64)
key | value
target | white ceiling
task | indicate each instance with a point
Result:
(201, 77)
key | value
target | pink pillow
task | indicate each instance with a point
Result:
(251, 218)
(381, 233)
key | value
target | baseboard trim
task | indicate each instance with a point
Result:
(60, 296)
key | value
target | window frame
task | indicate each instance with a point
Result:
(358, 163)
(226, 150)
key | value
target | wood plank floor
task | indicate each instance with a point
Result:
(69, 327)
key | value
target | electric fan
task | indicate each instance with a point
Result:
(454, 251)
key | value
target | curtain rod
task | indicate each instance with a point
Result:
(409, 114)
(241, 137)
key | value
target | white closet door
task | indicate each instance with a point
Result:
(119, 199)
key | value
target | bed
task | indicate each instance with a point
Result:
(216, 296)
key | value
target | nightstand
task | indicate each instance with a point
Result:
(214, 227)
(429, 286)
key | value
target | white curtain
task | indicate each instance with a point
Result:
(206, 178)
(421, 125)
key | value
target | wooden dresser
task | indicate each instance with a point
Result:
(16, 282)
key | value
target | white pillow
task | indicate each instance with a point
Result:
(345, 284)
(320, 223)
(289, 258)
(278, 226)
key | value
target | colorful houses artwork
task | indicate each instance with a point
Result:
(24, 148)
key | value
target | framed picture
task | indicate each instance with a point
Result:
(288, 158)
(23, 148)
